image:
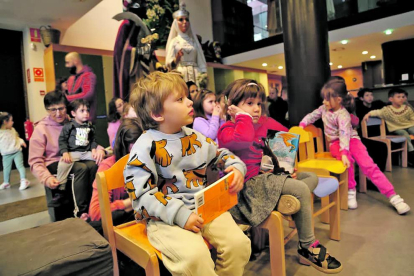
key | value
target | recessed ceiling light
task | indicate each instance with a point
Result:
(264, 64)
(280, 67)
(365, 52)
(344, 41)
(330, 63)
(339, 66)
(372, 57)
(388, 32)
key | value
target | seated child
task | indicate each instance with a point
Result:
(398, 116)
(76, 141)
(263, 193)
(167, 166)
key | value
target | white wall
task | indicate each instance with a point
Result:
(201, 18)
(96, 29)
(33, 59)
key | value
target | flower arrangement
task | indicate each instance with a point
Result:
(159, 18)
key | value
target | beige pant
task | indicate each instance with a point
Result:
(185, 253)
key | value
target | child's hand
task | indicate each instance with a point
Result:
(24, 145)
(217, 110)
(233, 110)
(66, 158)
(238, 180)
(194, 223)
(128, 204)
(366, 117)
(345, 161)
(294, 175)
(98, 155)
(52, 183)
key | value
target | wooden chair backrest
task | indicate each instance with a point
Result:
(373, 121)
(317, 134)
(306, 146)
(109, 180)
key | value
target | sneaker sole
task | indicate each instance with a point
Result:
(304, 261)
(288, 205)
(4, 188)
(404, 211)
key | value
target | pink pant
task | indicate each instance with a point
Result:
(358, 152)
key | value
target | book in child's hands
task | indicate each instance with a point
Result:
(215, 199)
(285, 145)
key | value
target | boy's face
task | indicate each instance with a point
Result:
(398, 99)
(178, 112)
(81, 115)
(368, 97)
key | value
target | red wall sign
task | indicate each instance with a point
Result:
(38, 75)
(28, 75)
(35, 35)
(42, 92)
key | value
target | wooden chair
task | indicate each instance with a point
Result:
(129, 238)
(322, 152)
(387, 139)
(324, 166)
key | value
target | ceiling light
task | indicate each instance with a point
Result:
(280, 67)
(388, 32)
(264, 64)
(344, 41)
(365, 52)
(372, 57)
(330, 63)
(339, 66)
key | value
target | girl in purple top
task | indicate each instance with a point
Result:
(346, 145)
(207, 114)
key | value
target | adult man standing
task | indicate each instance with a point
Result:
(81, 83)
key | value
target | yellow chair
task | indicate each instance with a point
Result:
(323, 166)
(129, 238)
(387, 139)
(321, 152)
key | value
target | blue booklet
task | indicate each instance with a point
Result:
(284, 146)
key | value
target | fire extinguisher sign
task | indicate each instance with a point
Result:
(38, 75)
(35, 35)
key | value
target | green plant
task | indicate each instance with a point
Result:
(159, 18)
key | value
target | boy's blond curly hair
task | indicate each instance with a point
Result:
(149, 94)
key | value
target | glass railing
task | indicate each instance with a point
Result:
(266, 19)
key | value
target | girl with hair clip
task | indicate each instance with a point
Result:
(183, 50)
(207, 114)
(345, 143)
(243, 134)
(11, 150)
(121, 205)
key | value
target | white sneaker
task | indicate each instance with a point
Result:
(352, 202)
(24, 184)
(4, 186)
(399, 204)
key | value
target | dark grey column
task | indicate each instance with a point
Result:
(305, 35)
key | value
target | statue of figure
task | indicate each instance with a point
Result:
(134, 48)
(183, 51)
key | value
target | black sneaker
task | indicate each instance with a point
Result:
(318, 257)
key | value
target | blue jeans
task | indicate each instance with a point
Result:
(7, 165)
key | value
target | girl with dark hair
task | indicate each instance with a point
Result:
(243, 134)
(207, 114)
(346, 145)
(11, 150)
(192, 90)
(121, 205)
(115, 110)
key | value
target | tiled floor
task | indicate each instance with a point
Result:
(375, 239)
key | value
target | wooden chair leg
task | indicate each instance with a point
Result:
(153, 267)
(343, 190)
(292, 224)
(274, 224)
(362, 182)
(404, 155)
(334, 217)
(325, 215)
(388, 166)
